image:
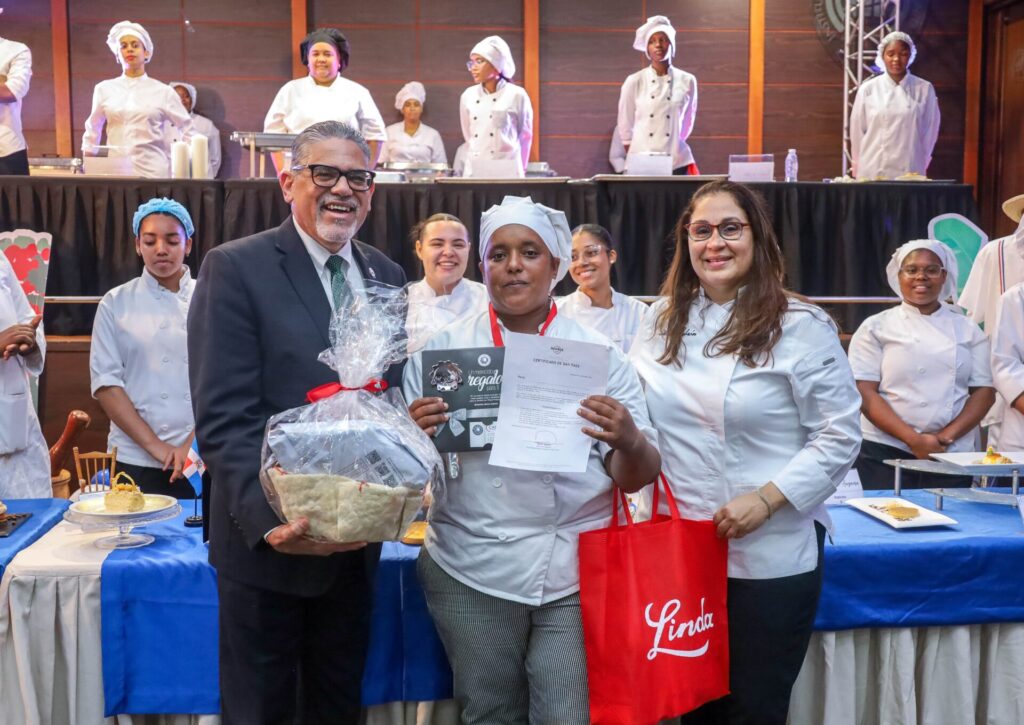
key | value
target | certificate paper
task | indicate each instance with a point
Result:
(469, 380)
(544, 381)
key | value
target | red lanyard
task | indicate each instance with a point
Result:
(499, 341)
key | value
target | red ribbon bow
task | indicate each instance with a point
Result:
(376, 385)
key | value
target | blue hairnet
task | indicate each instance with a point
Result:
(161, 205)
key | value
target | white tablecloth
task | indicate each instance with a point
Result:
(50, 650)
(51, 673)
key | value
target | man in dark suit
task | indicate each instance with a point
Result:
(294, 612)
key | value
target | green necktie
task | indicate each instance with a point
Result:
(340, 290)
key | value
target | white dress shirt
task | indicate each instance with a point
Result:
(137, 113)
(204, 126)
(893, 127)
(727, 429)
(301, 103)
(24, 456)
(497, 125)
(429, 312)
(924, 366)
(1008, 365)
(998, 267)
(319, 255)
(513, 534)
(657, 113)
(16, 64)
(139, 344)
(423, 147)
(619, 323)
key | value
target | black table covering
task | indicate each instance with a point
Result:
(836, 238)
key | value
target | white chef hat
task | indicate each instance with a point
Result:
(413, 89)
(893, 36)
(127, 27)
(550, 224)
(654, 24)
(495, 51)
(943, 252)
(188, 87)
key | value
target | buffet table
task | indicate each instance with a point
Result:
(921, 626)
(836, 237)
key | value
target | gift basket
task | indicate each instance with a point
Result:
(353, 462)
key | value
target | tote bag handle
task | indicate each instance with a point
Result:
(619, 497)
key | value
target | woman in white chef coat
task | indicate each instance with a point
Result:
(136, 110)
(499, 568)
(758, 420)
(138, 361)
(444, 295)
(496, 116)
(411, 140)
(200, 124)
(24, 457)
(922, 370)
(595, 303)
(658, 105)
(1008, 366)
(895, 118)
(325, 95)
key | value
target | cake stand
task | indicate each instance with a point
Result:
(945, 468)
(88, 513)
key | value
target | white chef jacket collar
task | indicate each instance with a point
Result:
(501, 324)
(908, 310)
(501, 84)
(154, 286)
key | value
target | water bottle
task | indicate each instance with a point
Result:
(792, 165)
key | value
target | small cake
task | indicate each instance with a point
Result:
(124, 497)
(3, 508)
(994, 458)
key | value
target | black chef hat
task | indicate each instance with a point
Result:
(325, 35)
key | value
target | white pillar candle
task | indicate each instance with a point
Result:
(200, 156)
(179, 160)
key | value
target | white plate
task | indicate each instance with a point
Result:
(874, 507)
(968, 460)
(92, 504)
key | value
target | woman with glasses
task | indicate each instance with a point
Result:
(496, 116)
(444, 295)
(595, 303)
(499, 568)
(324, 95)
(757, 416)
(137, 111)
(658, 105)
(895, 118)
(922, 369)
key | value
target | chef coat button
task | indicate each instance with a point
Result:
(496, 483)
(185, 359)
(650, 134)
(920, 370)
(164, 427)
(668, 117)
(163, 395)
(546, 478)
(189, 427)
(474, 118)
(550, 529)
(478, 100)
(188, 396)
(475, 135)
(652, 115)
(167, 358)
(923, 404)
(502, 536)
(492, 133)
(163, 325)
(652, 95)
(668, 134)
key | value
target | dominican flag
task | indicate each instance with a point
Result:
(194, 468)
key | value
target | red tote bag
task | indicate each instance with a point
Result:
(653, 597)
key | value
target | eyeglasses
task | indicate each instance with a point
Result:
(730, 230)
(327, 176)
(931, 270)
(474, 62)
(589, 254)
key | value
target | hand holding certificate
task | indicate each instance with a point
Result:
(545, 378)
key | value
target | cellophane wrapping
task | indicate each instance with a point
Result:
(354, 464)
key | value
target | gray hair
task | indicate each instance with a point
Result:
(323, 131)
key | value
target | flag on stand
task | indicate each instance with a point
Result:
(194, 468)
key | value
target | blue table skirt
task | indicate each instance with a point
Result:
(970, 573)
(46, 512)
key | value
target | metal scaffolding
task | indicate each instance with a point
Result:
(867, 22)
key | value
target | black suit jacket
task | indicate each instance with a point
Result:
(257, 322)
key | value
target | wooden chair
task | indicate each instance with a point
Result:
(87, 465)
